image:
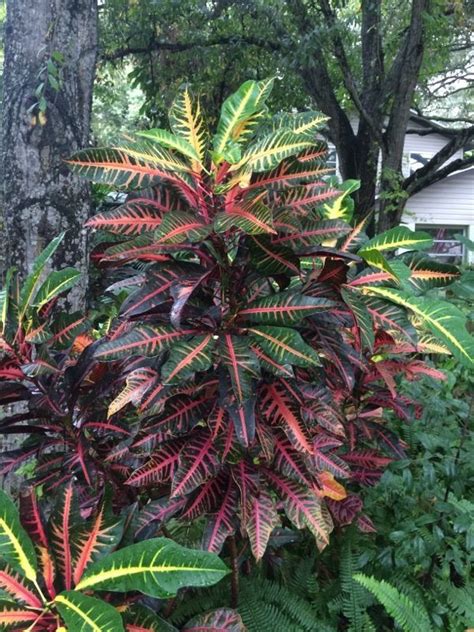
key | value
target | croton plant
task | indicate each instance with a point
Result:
(258, 343)
(68, 571)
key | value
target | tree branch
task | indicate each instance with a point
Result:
(346, 70)
(412, 40)
(427, 132)
(445, 119)
(157, 45)
(431, 172)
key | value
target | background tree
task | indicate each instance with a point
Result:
(371, 62)
(50, 53)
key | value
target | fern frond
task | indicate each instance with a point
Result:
(302, 580)
(353, 595)
(203, 600)
(292, 607)
(460, 600)
(410, 617)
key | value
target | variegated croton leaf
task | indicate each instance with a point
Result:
(91, 559)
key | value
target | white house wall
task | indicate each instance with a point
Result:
(428, 144)
(449, 202)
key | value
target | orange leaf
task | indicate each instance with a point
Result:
(330, 487)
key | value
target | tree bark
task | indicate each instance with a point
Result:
(43, 124)
(399, 85)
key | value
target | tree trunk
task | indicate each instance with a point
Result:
(50, 55)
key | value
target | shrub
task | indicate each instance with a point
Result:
(252, 361)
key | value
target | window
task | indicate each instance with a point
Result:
(446, 247)
(417, 160)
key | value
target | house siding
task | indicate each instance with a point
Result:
(428, 143)
(449, 202)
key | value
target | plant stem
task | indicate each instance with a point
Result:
(170, 607)
(234, 582)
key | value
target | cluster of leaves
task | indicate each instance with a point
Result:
(50, 80)
(46, 569)
(253, 343)
(419, 563)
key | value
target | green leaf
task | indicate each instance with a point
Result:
(464, 240)
(15, 545)
(427, 273)
(143, 340)
(5, 300)
(267, 152)
(142, 619)
(253, 220)
(135, 217)
(241, 363)
(390, 318)
(298, 122)
(186, 358)
(96, 539)
(398, 237)
(343, 206)
(156, 567)
(57, 282)
(62, 520)
(285, 345)
(284, 308)
(129, 166)
(362, 317)
(32, 281)
(238, 116)
(303, 507)
(271, 259)
(169, 140)
(262, 518)
(12, 614)
(313, 233)
(87, 614)
(186, 121)
(179, 226)
(376, 259)
(443, 319)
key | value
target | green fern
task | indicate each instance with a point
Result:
(411, 589)
(264, 605)
(410, 617)
(202, 600)
(302, 579)
(368, 625)
(290, 611)
(461, 602)
(261, 616)
(353, 606)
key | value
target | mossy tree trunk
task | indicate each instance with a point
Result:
(50, 56)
